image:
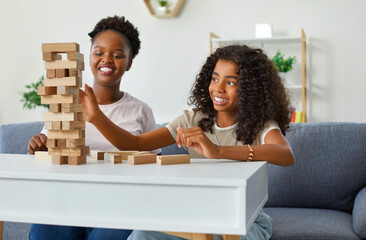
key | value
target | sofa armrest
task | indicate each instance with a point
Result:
(14, 138)
(359, 214)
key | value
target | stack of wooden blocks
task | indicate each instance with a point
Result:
(65, 121)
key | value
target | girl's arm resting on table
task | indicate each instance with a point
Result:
(118, 137)
(276, 150)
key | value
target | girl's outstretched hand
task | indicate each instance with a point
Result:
(196, 139)
(90, 104)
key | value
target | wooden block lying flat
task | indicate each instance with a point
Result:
(125, 154)
(56, 125)
(141, 159)
(50, 99)
(44, 90)
(75, 56)
(173, 159)
(50, 73)
(55, 107)
(61, 73)
(66, 81)
(112, 158)
(66, 90)
(73, 116)
(71, 134)
(97, 155)
(71, 107)
(71, 143)
(62, 64)
(51, 143)
(73, 125)
(42, 155)
(59, 160)
(78, 151)
(60, 47)
(49, 56)
(77, 160)
(75, 73)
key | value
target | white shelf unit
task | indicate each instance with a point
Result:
(216, 41)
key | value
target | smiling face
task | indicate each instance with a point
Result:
(224, 87)
(110, 57)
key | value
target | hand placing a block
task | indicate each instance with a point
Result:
(195, 138)
(37, 143)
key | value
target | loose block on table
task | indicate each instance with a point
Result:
(173, 159)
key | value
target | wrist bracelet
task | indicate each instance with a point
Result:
(251, 153)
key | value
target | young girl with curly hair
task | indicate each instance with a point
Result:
(240, 113)
(114, 44)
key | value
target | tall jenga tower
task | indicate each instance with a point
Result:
(66, 121)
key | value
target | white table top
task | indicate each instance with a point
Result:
(218, 180)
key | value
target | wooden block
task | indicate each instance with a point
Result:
(66, 81)
(71, 107)
(61, 143)
(61, 73)
(97, 155)
(87, 150)
(42, 155)
(75, 73)
(60, 47)
(50, 116)
(123, 154)
(72, 134)
(61, 151)
(50, 73)
(75, 56)
(71, 143)
(50, 99)
(141, 159)
(112, 158)
(55, 107)
(173, 159)
(230, 237)
(73, 125)
(77, 160)
(56, 125)
(62, 64)
(44, 90)
(59, 160)
(81, 116)
(66, 90)
(51, 143)
(50, 56)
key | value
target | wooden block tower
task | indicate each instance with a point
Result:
(66, 121)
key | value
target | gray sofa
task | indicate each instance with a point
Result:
(323, 196)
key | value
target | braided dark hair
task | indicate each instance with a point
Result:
(121, 25)
(262, 96)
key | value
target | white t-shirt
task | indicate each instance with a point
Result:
(129, 113)
(220, 136)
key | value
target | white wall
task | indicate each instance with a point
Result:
(173, 50)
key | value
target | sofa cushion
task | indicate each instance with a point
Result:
(308, 223)
(329, 170)
(14, 138)
(359, 214)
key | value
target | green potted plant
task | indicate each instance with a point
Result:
(162, 9)
(282, 64)
(30, 98)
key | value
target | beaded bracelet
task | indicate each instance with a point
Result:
(251, 153)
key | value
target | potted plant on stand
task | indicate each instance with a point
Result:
(162, 9)
(283, 65)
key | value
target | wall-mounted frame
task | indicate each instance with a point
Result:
(171, 14)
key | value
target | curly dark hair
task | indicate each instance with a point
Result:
(262, 96)
(121, 25)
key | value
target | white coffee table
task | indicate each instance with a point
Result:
(206, 196)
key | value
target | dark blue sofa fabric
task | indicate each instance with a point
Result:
(330, 167)
(310, 224)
